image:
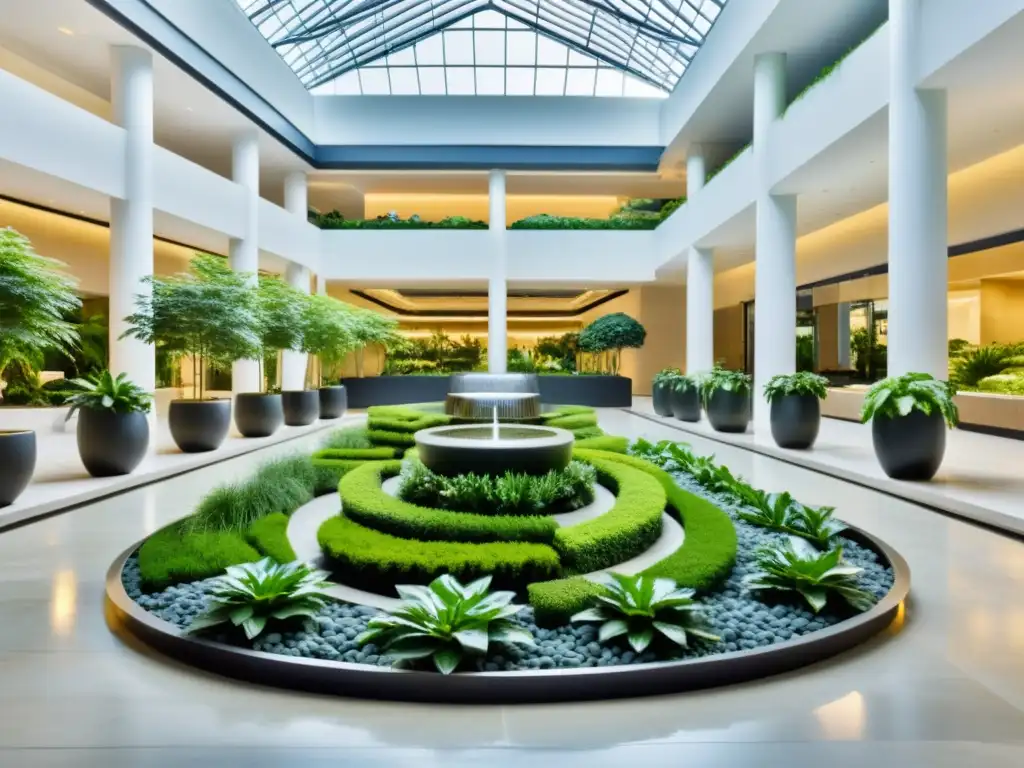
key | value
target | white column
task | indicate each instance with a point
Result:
(131, 218)
(843, 329)
(918, 263)
(497, 287)
(775, 276)
(321, 285)
(293, 364)
(700, 281)
(243, 253)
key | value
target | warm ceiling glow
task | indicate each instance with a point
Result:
(65, 31)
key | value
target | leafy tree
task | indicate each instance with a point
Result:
(329, 334)
(208, 314)
(280, 309)
(611, 334)
(373, 328)
(35, 298)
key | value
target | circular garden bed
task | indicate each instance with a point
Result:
(674, 527)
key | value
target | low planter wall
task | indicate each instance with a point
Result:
(596, 391)
(1001, 415)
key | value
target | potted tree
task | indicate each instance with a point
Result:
(35, 298)
(113, 431)
(909, 415)
(207, 315)
(373, 329)
(661, 390)
(608, 335)
(726, 396)
(329, 337)
(685, 397)
(279, 312)
(796, 407)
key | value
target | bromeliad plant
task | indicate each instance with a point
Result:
(723, 379)
(899, 395)
(252, 595)
(797, 566)
(638, 606)
(781, 512)
(802, 383)
(445, 622)
(106, 393)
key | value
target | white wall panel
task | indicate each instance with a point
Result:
(191, 192)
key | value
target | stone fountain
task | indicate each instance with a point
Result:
(495, 448)
(475, 397)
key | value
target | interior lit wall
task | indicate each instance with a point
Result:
(436, 207)
(83, 247)
(965, 315)
(663, 314)
(1001, 311)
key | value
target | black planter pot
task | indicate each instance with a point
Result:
(257, 414)
(685, 404)
(112, 443)
(910, 447)
(795, 420)
(729, 411)
(661, 395)
(17, 463)
(301, 407)
(199, 425)
(333, 401)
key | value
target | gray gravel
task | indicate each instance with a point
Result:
(738, 617)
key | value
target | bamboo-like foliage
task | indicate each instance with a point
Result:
(209, 314)
(35, 298)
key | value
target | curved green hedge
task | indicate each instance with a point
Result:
(366, 503)
(369, 557)
(270, 536)
(173, 555)
(573, 421)
(626, 530)
(610, 443)
(390, 437)
(382, 453)
(704, 560)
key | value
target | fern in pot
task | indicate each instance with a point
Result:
(209, 317)
(35, 298)
(685, 397)
(661, 389)
(795, 400)
(909, 415)
(726, 397)
(113, 431)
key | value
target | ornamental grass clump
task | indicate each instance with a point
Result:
(254, 594)
(445, 622)
(899, 395)
(796, 566)
(640, 606)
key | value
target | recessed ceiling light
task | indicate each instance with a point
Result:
(66, 31)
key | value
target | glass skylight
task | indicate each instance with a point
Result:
(486, 47)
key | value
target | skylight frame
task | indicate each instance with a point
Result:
(651, 41)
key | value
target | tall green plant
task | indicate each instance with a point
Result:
(899, 395)
(329, 334)
(35, 298)
(373, 329)
(208, 314)
(280, 315)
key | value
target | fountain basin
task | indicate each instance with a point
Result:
(485, 406)
(494, 449)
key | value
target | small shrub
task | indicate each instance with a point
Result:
(973, 365)
(445, 621)
(172, 555)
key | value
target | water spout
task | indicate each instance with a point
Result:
(494, 425)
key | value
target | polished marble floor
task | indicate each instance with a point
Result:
(944, 689)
